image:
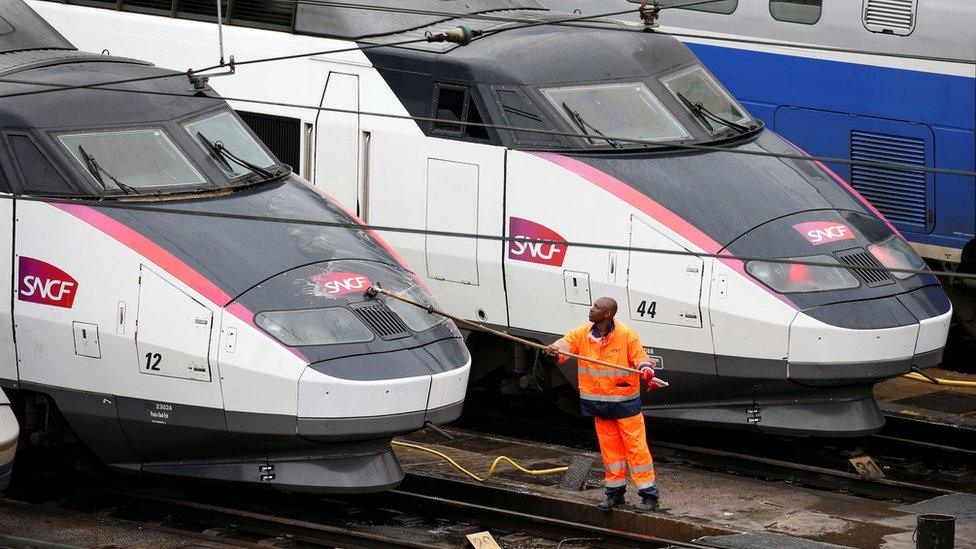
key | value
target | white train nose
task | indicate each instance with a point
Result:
(372, 401)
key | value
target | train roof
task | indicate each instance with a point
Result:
(21, 28)
(32, 51)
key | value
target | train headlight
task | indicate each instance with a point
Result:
(314, 326)
(798, 277)
(416, 318)
(895, 253)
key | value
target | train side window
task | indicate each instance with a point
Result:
(451, 107)
(456, 103)
(796, 11)
(718, 6)
(37, 173)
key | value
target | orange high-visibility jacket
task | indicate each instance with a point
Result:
(601, 383)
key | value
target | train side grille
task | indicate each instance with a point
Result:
(859, 257)
(890, 16)
(899, 194)
(381, 319)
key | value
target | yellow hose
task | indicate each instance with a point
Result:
(491, 470)
(946, 382)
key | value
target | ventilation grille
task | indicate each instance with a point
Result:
(382, 320)
(270, 13)
(282, 135)
(899, 194)
(166, 5)
(859, 257)
(202, 7)
(890, 16)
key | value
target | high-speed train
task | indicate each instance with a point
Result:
(890, 81)
(176, 306)
(782, 348)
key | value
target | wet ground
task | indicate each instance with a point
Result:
(955, 406)
(709, 502)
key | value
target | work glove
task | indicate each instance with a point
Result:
(647, 374)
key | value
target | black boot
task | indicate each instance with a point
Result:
(612, 501)
(647, 504)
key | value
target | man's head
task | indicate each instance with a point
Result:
(603, 309)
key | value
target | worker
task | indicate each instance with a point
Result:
(612, 397)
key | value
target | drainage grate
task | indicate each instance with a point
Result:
(381, 319)
(859, 257)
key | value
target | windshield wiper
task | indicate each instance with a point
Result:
(96, 170)
(577, 118)
(222, 155)
(704, 114)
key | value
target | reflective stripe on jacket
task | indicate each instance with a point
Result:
(620, 345)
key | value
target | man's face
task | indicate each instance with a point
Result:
(600, 311)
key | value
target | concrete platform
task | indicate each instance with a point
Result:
(910, 399)
(695, 503)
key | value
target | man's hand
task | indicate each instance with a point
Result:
(552, 350)
(647, 374)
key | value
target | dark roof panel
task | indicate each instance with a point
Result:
(22, 29)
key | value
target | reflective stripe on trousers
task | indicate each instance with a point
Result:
(623, 442)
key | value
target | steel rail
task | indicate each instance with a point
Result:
(751, 464)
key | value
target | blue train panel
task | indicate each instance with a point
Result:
(879, 114)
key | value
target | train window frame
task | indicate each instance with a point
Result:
(184, 124)
(715, 8)
(110, 188)
(772, 12)
(508, 109)
(595, 139)
(452, 130)
(716, 85)
(19, 184)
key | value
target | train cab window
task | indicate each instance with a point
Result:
(130, 160)
(456, 104)
(38, 173)
(224, 129)
(718, 6)
(519, 112)
(604, 111)
(705, 98)
(796, 11)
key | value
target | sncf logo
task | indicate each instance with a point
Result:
(546, 253)
(44, 283)
(337, 284)
(822, 232)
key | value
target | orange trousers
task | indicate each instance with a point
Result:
(623, 445)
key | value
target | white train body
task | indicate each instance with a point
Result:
(171, 330)
(739, 352)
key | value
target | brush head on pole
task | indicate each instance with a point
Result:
(373, 291)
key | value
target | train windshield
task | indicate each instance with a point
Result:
(230, 146)
(607, 112)
(714, 108)
(131, 160)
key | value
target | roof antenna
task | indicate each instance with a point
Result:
(220, 31)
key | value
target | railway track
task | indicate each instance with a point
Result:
(422, 513)
(913, 469)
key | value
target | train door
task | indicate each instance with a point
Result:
(337, 141)
(441, 184)
(664, 294)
